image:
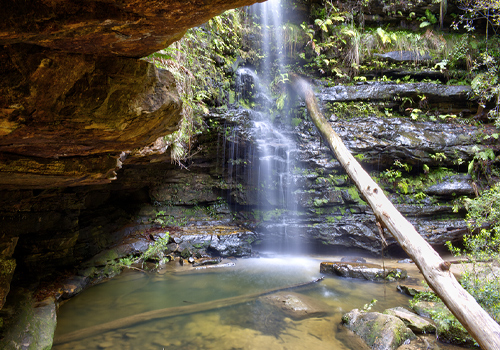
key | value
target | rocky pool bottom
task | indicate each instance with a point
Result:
(257, 322)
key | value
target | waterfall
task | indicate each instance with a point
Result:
(272, 156)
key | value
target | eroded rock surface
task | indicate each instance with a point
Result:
(113, 28)
(66, 118)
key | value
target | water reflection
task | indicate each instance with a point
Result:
(250, 325)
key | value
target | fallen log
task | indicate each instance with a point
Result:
(436, 272)
(170, 312)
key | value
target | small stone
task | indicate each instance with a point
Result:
(105, 345)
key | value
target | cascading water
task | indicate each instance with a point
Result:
(272, 157)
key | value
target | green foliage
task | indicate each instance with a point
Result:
(317, 202)
(428, 20)
(486, 85)
(478, 9)
(198, 62)
(482, 164)
(481, 258)
(155, 250)
(368, 307)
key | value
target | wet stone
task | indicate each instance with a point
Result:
(371, 272)
(74, 285)
(410, 290)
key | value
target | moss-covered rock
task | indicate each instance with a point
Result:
(379, 331)
(33, 324)
(416, 323)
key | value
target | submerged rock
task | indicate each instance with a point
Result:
(371, 272)
(295, 305)
(379, 331)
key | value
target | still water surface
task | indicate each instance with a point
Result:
(250, 325)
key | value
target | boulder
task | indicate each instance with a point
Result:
(416, 323)
(32, 325)
(371, 272)
(294, 305)
(219, 240)
(379, 331)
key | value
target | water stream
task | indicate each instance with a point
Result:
(251, 325)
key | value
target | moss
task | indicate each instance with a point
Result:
(7, 266)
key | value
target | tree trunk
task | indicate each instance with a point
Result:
(436, 272)
(169, 312)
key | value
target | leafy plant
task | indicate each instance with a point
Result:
(482, 250)
(198, 63)
(481, 165)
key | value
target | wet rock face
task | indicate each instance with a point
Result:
(112, 28)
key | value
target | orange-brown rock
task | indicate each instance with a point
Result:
(133, 28)
(65, 118)
(74, 96)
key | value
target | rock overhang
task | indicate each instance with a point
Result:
(73, 94)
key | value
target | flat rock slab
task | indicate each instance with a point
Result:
(294, 305)
(413, 321)
(379, 331)
(371, 272)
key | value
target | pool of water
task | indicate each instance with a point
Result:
(249, 324)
